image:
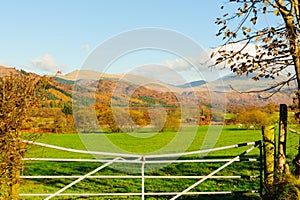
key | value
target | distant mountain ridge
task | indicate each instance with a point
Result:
(88, 75)
(202, 87)
(192, 84)
(89, 80)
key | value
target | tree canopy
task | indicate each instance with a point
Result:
(19, 94)
(265, 50)
(275, 44)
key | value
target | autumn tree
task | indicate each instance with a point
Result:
(67, 108)
(270, 108)
(19, 94)
(85, 121)
(106, 118)
(205, 115)
(254, 119)
(277, 49)
(139, 117)
(173, 120)
(163, 119)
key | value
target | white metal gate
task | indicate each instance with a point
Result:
(143, 160)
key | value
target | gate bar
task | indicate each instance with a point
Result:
(81, 178)
(212, 173)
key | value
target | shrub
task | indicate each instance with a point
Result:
(254, 119)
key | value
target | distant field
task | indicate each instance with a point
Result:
(143, 142)
(146, 145)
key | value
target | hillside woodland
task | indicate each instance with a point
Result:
(136, 104)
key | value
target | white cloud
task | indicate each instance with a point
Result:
(198, 67)
(161, 73)
(86, 48)
(201, 62)
(45, 63)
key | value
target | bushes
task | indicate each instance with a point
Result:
(254, 119)
(283, 189)
(19, 95)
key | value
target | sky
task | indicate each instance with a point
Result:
(45, 36)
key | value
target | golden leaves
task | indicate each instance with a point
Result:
(276, 12)
(253, 20)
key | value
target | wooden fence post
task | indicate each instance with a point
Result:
(281, 162)
(268, 133)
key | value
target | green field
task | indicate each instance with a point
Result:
(145, 142)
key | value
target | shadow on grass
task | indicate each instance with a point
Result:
(223, 197)
(237, 129)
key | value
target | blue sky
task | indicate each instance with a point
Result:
(63, 28)
(43, 36)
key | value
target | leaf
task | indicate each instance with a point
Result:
(253, 20)
(220, 59)
(264, 9)
(276, 12)
(233, 65)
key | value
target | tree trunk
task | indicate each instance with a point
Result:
(293, 37)
(15, 186)
(14, 170)
(296, 58)
(297, 69)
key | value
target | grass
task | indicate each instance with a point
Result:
(145, 143)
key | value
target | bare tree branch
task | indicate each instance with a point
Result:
(277, 86)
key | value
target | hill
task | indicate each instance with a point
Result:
(5, 71)
(88, 75)
(137, 87)
(203, 90)
(234, 87)
(192, 84)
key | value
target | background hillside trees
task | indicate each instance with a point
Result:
(19, 94)
(253, 119)
(67, 109)
(85, 120)
(121, 119)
